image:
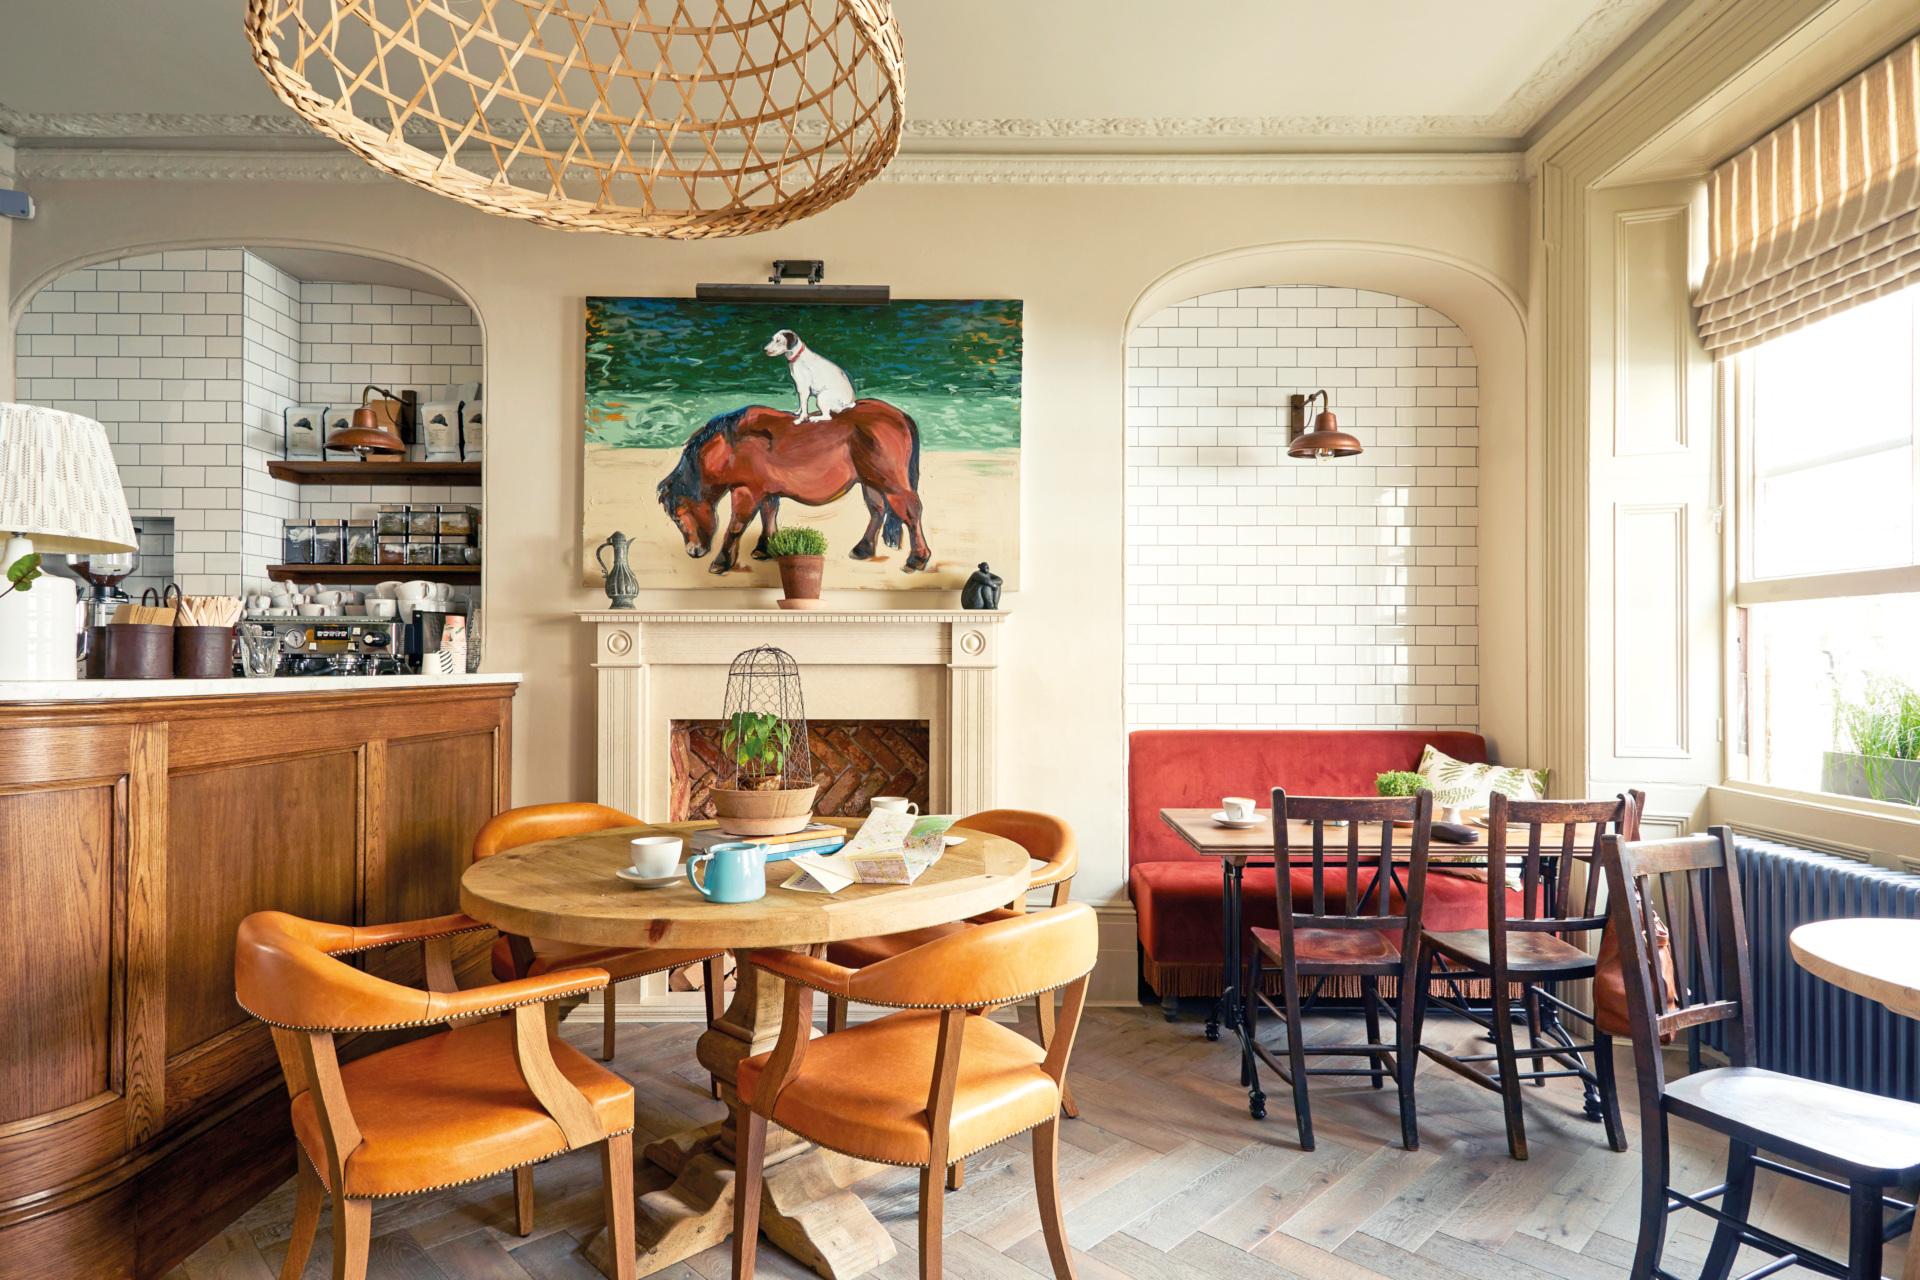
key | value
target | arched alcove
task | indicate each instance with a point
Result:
(1504, 522)
(192, 356)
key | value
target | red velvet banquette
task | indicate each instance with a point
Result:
(1176, 892)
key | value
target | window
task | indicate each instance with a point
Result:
(1827, 599)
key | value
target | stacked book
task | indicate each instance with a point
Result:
(815, 837)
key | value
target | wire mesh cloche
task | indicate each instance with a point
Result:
(766, 768)
(676, 118)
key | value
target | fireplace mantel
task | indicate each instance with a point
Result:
(937, 665)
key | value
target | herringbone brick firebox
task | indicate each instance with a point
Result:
(854, 761)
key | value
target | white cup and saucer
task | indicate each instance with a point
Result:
(656, 862)
(1238, 812)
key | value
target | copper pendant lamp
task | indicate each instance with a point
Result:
(366, 435)
(1326, 440)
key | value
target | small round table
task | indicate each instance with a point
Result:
(1876, 958)
(565, 889)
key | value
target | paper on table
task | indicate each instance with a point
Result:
(889, 848)
(819, 873)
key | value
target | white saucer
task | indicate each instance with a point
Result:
(1238, 824)
(954, 840)
(633, 877)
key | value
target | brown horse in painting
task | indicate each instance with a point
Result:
(757, 456)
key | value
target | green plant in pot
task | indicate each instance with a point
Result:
(758, 742)
(1400, 783)
(1883, 727)
(801, 553)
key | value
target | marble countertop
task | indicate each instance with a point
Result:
(112, 690)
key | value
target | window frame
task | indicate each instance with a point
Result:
(1879, 831)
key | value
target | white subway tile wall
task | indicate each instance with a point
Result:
(1266, 591)
(188, 359)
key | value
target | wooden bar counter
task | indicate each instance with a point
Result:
(140, 1109)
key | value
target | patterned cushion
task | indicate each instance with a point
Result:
(1458, 785)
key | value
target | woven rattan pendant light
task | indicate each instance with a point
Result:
(676, 118)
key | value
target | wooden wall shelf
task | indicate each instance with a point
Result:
(373, 572)
(465, 473)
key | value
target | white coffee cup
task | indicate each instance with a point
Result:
(379, 607)
(443, 591)
(894, 804)
(415, 590)
(1238, 808)
(327, 597)
(281, 602)
(313, 610)
(655, 856)
(280, 611)
(388, 590)
(354, 610)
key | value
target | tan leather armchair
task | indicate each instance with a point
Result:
(1046, 838)
(516, 957)
(491, 1094)
(928, 1085)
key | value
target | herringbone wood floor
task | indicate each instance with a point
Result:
(1165, 1177)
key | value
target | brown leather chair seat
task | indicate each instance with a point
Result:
(858, 953)
(1537, 955)
(620, 963)
(865, 1088)
(453, 1104)
(1343, 947)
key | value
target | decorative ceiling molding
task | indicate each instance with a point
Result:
(1595, 38)
(1084, 170)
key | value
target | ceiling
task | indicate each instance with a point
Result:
(1062, 74)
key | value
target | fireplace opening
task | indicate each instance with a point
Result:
(853, 761)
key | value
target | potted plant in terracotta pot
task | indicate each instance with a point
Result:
(801, 553)
(766, 778)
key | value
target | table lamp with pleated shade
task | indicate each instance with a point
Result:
(59, 492)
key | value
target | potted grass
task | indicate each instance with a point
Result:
(801, 553)
(1399, 783)
(1883, 727)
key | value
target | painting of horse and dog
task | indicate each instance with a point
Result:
(894, 429)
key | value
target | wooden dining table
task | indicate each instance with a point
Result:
(1241, 847)
(566, 889)
(1877, 958)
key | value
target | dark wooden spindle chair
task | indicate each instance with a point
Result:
(1534, 951)
(1348, 933)
(1858, 1144)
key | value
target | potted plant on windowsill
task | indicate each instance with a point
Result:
(801, 553)
(1883, 726)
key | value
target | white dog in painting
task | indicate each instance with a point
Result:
(815, 377)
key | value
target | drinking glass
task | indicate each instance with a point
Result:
(260, 649)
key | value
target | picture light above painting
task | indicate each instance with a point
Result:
(893, 429)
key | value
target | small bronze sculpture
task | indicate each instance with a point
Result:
(622, 585)
(982, 590)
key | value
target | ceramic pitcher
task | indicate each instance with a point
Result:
(736, 872)
(622, 585)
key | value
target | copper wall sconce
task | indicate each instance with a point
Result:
(1326, 440)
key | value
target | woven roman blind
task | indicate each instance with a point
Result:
(1820, 215)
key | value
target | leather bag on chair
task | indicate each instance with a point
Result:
(1610, 980)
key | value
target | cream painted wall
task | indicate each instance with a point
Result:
(1084, 259)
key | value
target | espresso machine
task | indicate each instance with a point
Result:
(337, 646)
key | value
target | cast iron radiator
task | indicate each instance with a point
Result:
(1806, 1026)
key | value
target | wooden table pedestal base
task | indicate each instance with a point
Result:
(805, 1208)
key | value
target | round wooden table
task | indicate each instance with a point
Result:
(565, 889)
(1876, 958)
